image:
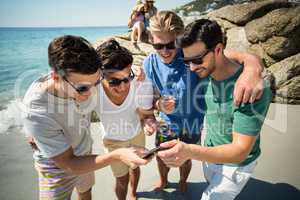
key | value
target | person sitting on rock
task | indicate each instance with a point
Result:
(136, 23)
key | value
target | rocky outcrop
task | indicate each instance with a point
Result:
(279, 22)
(277, 32)
(289, 93)
(258, 50)
(286, 69)
(241, 14)
(236, 39)
(270, 29)
(205, 6)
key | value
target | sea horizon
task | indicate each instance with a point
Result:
(67, 26)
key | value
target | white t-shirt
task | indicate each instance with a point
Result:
(122, 122)
(56, 124)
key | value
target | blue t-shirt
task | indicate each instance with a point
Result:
(177, 80)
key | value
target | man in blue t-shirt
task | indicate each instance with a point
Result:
(179, 92)
(174, 81)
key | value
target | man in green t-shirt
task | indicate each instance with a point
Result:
(231, 145)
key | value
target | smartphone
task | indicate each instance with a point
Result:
(153, 151)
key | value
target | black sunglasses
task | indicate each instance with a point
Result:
(82, 88)
(114, 82)
(197, 60)
(159, 46)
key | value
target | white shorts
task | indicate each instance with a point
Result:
(136, 24)
(225, 182)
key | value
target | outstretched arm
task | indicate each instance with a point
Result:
(235, 152)
(83, 164)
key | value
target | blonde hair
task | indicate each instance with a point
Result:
(166, 22)
(136, 9)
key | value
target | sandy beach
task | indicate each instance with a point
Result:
(277, 174)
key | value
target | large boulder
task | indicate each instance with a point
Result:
(236, 39)
(241, 14)
(258, 50)
(280, 22)
(289, 92)
(277, 33)
(285, 70)
(282, 47)
(226, 25)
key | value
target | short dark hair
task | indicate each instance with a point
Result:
(204, 30)
(73, 54)
(114, 56)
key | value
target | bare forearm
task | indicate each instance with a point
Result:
(227, 153)
(88, 163)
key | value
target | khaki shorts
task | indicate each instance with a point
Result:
(120, 169)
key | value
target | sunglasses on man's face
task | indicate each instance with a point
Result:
(82, 88)
(115, 82)
(197, 60)
(159, 46)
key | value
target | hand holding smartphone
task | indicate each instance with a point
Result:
(153, 151)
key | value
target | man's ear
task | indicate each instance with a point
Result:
(54, 75)
(219, 49)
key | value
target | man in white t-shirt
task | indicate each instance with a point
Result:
(125, 110)
(57, 110)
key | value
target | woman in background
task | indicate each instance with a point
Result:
(136, 23)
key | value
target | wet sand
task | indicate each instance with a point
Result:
(277, 175)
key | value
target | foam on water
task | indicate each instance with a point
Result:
(11, 116)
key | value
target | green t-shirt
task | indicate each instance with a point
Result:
(223, 117)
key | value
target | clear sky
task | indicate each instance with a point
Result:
(52, 13)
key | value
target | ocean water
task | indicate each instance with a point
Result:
(23, 58)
